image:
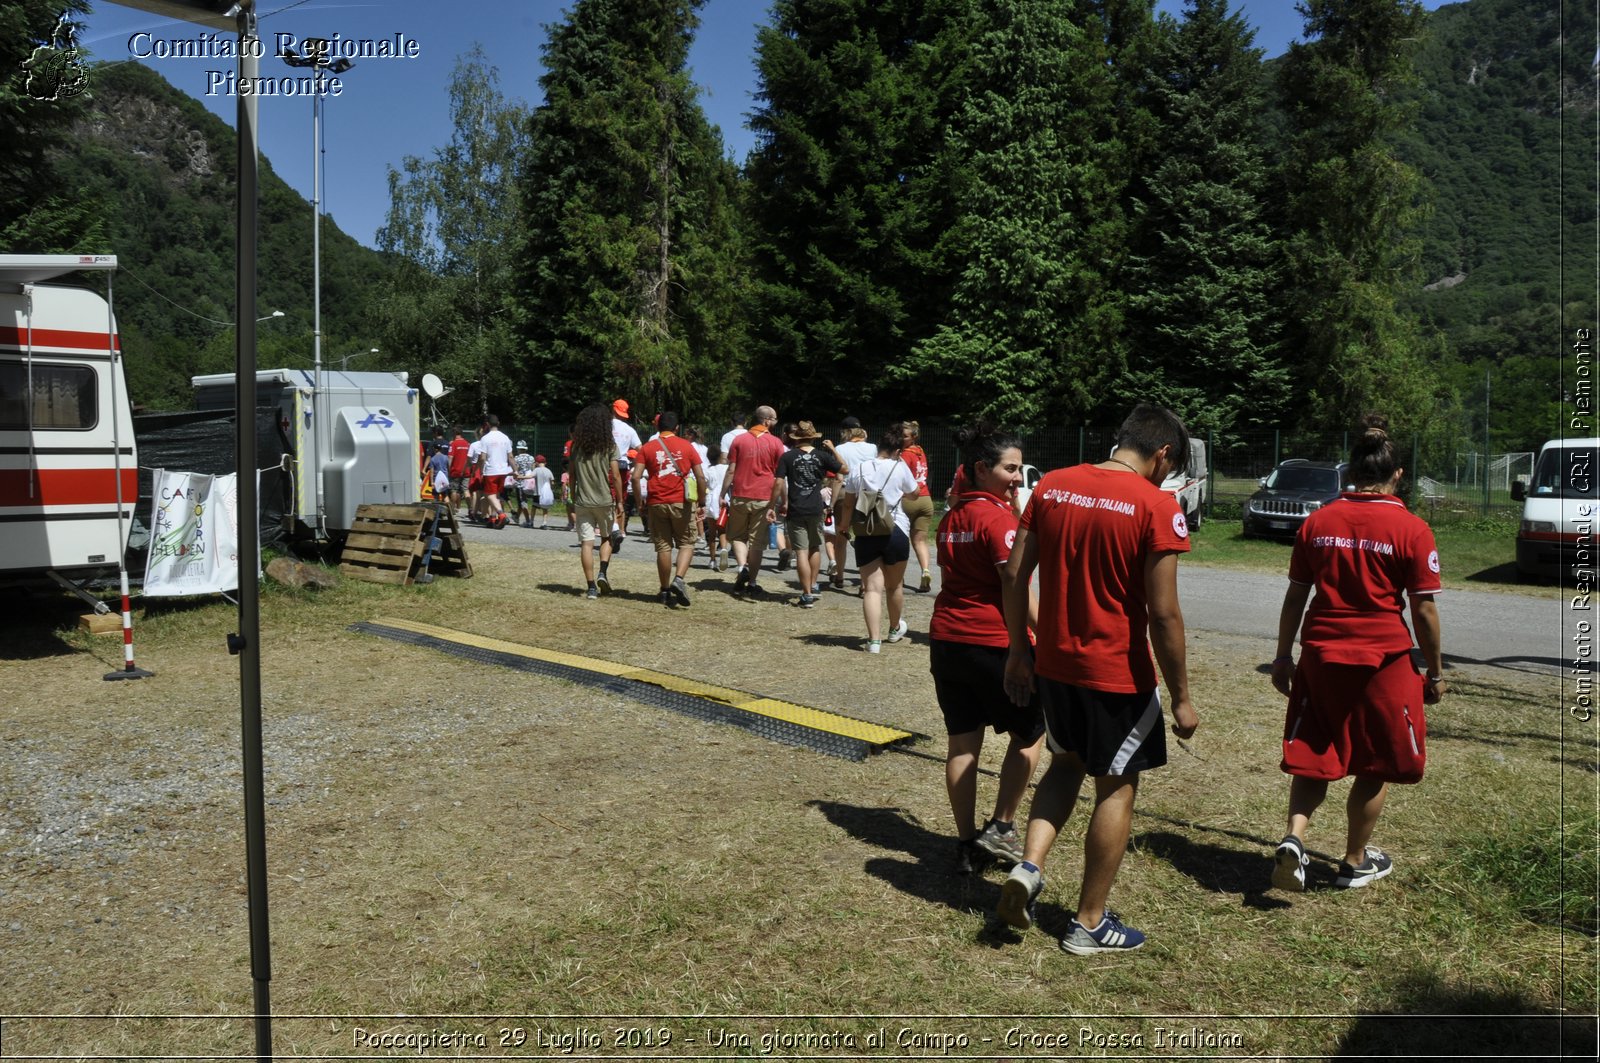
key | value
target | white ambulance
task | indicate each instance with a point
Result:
(1560, 506)
(69, 479)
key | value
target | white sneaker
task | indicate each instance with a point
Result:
(899, 631)
(1289, 865)
(1018, 896)
(874, 646)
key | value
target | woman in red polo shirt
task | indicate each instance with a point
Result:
(968, 645)
(1355, 700)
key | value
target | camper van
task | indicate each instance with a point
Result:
(68, 467)
(1560, 506)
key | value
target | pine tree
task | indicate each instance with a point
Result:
(846, 194)
(452, 227)
(1031, 333)
(1202, 334)
(1352, 211)
(631, 275)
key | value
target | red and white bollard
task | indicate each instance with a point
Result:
(128, 669)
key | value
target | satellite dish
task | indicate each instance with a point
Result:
(433, 386)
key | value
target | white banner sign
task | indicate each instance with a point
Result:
(194, 534)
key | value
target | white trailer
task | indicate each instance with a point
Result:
(69, 477)
(350, 437)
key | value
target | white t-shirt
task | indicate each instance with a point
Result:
(853, 454)
(625, 437)
(496, 446)
(888, 475)
(714, 475)
(729, 436)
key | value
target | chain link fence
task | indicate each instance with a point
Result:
(1460, 485)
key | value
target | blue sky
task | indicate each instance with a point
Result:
(391, 108)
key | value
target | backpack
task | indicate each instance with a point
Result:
(872, 515)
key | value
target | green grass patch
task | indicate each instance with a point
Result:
(1478, 553)
(1545, 874)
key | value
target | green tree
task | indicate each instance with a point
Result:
(43, 92)
(1353, 207)
(850, 192)
(631, 268)
(452, 227)
(1202, 332)
(1032, 331)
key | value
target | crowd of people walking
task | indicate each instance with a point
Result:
(1056, 622)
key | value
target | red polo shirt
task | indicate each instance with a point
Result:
(1095, 528)
(1364, 553)
(975, 539)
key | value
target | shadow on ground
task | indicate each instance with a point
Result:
(929, 873)
(1430, 1019)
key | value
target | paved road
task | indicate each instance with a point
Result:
(1488, 628)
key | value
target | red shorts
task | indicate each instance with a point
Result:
(494, 485)
(1347, 719)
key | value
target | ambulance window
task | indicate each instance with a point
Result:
(64, 397)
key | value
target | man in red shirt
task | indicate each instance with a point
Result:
(458, 467)
(752, 467)
(672, 520)
(1108, 538)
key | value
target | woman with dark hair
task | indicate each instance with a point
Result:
(597, 495)
(1355, 699)
(919, 507)
(881, 556)
(969, 643)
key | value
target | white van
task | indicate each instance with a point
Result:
(69, 471)
(1191, 486)
(1560, 506)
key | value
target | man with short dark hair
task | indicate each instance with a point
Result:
(459, 450)
(496, 454)
(1106, 540)
(670, 461)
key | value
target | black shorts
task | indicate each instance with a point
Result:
(1113, 734)
(969, 682)
(891, 549)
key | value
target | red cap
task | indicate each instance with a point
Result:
(620, 407)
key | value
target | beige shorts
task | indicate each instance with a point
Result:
(919, 510)
(594, 522)
(805, 533)
(671, 524)
(747, 521)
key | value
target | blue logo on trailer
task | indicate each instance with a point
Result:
(374, 420)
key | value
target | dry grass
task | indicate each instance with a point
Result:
(448, 838)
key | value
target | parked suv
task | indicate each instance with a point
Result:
(1296, 489)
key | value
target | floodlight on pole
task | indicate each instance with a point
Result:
(318, 57)
(344, 360)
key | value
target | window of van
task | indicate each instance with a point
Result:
(1564, 472)
(64, 397)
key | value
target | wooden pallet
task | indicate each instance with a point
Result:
(390, 544)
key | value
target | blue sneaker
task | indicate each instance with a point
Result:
(1110, 936)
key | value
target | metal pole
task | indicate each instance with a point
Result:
(247, 643)
(319, 399)
(1486, 441)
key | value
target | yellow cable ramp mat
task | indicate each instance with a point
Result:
(781, 721)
